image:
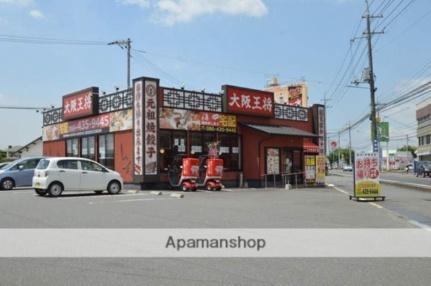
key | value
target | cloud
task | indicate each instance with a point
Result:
(36, 14)
(171, 12)
(23, 3)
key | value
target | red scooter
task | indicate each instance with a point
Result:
(210, 173)
(184, 176)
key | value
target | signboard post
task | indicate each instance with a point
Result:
(367, 177)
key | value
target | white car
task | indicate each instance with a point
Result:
(54, 175)
(347, 168)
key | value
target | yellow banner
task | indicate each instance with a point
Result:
(367, 189)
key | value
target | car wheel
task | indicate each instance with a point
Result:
(41, 192)
(7, 184)
(114, 188)
(55, 190)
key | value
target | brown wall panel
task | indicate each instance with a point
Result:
(124, 155)
(54, 148)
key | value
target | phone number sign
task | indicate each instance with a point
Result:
(367, 175)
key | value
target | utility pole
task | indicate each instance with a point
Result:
(339, 150)
(350, 144)
(125, 44)
(371, 79)
(407, 142)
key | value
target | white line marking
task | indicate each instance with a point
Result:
(340, 190)
(134, 200)
(376, 205)
(420, 225)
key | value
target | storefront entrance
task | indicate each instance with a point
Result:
(284, 165)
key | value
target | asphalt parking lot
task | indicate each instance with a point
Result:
(236, 208)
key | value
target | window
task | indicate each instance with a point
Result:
(106, 150)
(428, 139)
(90, 166)
(28, 164)
(72, 149)
(229, 151)
(43, 164)
(165, 150)
(68, 164)
(196, 147)
(88, 147)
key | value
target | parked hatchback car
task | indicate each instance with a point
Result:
(55, 175)
(18, 173)
(424, 169)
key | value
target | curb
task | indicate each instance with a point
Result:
(133, 191)
(419, 187)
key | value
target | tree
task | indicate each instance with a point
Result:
(2, 155)
(344, 156)
(411, 149)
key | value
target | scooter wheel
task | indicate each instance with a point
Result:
(185, 189)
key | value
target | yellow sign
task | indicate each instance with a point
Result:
(320, 169)
(367, 175)
(367, 189)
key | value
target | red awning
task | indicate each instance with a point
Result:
(310, 147)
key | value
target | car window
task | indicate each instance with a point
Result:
(43, 164)
(4, 166)
(29, 164)
(90, 166)
(68, 164)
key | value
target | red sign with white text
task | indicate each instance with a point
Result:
(80, 104)
(249, 101)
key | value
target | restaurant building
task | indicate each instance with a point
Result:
(137, 132)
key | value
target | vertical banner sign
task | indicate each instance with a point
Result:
(321, 129)
(320, 169)
(367, 175)
(137, 127)
(383, 131)
(151, 118)
(310, 169)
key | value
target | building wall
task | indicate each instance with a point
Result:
(254, 152)
(423, 116)
(124, 155)
(54, 148)
(35, 149)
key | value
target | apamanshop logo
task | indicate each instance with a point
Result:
(215, 243)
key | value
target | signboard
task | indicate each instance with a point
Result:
(333, 145)
(321, 128)
(273, 161)
(107, 122)
(181, 119)
(383, 131)
(320, 169)
(310, 168)
(295, 95)
(138, 110)
(367, 175)
(80, 104)
(150, 113)
(249, 101)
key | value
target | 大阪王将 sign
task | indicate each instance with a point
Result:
(249, 101)
(81, 103)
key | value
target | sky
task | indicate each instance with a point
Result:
(203, 44)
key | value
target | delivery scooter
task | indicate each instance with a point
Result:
(210, 173)
(183, 173)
